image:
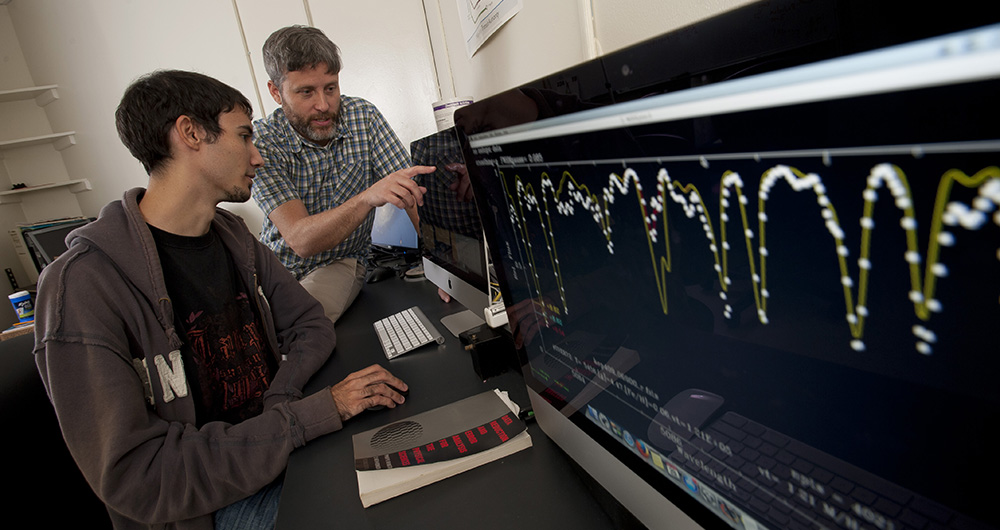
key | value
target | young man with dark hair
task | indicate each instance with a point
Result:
(330, 160)
(173, 345)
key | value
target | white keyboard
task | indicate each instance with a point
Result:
(405, 331)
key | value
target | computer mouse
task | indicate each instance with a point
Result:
(379, 273)
(403, 393)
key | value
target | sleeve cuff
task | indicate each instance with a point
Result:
(316, 415)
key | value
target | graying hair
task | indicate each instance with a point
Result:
(297, 48)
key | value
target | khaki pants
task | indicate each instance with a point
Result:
(336, 285)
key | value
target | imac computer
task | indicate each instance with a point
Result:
(768, 300)
(455, 258)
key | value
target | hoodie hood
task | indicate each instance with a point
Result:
(132, 249)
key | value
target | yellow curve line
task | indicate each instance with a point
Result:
(923, 283)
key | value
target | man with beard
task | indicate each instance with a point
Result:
(329, 161)
(173, 345)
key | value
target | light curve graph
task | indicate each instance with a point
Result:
(560, 193)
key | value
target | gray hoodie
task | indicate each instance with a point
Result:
(108, 354)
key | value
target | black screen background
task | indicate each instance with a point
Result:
(920, 421)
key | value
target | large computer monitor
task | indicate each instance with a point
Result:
(451, 235)
(767, 302)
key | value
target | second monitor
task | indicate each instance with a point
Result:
(455, 258)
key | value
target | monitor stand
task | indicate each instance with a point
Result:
(461, 321)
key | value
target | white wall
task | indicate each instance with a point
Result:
(551, 35)
(546, 36)
(621, 24)
(93, 49)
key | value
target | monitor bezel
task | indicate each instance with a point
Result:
(41, 255)
(470, 288)
(634, 493)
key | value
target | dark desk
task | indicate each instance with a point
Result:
(535, 488)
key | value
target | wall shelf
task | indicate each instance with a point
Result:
(43, 95)
(58, 140)
(73, 186)
(33, 162)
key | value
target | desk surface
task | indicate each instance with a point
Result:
(535, 488)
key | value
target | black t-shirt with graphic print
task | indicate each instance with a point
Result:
(227, 360)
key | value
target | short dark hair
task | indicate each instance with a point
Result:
(295, 48)
(152, 104)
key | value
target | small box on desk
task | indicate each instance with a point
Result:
(491, 349)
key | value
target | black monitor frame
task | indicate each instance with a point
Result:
(41, 245)
(451, 237)
(851, 29)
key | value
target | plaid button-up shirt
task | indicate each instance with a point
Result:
(364, 150)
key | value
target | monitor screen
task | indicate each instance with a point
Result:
(767, 302)
(451, 234)
(393, 229)
(46, 243)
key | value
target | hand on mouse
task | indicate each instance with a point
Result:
(367, 388)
